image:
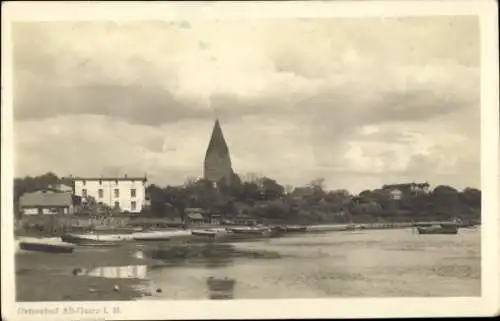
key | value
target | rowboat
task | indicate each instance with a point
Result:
(248, 230)
(204, 233)
(159, 235)
(45, 247)
(92, 239)
(151, 238)
(295, 229)
(441, 229)
(100, 244)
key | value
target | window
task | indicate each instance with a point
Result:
(101, 193)
(100, 182)
(132, 192)
(84, 192)
(117, 192)
(116, 182)
(84, 182)
(117, 204)
(133, 206)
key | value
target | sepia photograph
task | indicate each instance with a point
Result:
(224, 158)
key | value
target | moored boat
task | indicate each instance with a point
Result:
(295, 229)
(90, 239)
(160, 235)
(151, 238)
(100, 244)
(207, 233)
(45, 247)
(440, 229)
(277, 231)
(248, 230)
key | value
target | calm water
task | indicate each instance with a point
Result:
(340, 264)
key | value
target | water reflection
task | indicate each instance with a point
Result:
(117, 272)
(385, 263)
(220, 288)
(211, 255)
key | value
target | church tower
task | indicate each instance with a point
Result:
(217, 165)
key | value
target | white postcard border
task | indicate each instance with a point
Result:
(487, 304)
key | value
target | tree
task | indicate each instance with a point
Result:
(270, 189)
(156, 200)
(471, 197)
(338, 199)
(318, 184)
(445, 200)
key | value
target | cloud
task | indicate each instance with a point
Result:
(379, 99)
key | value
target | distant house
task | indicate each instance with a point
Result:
(395, 194)
(244, 220)
(46, 202)
(194, 218)
(397, 191)
(213, 217)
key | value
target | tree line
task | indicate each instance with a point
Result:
(264, 198)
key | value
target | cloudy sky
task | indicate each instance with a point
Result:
(360, 102)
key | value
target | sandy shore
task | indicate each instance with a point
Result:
(49, 277)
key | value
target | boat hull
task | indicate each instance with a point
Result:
(86, 241)
(205, 234)
(46, 248)
(437, 230)
(101, 244)
(151, 239)
(295, 229)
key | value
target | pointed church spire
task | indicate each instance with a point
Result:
(217, 159)
(217, 142)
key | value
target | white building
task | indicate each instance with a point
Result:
(127, 193)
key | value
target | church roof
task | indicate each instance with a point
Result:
(217, 142)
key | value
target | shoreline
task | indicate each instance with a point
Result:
(310, 228)
(37, 271)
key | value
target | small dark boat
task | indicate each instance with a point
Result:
(205, 234)
(99, 244)
(441, 229)
(467, 225)
(295, 229)
(277, 231)
(151, 238)
(46, 247)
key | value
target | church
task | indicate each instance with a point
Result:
(217, 166)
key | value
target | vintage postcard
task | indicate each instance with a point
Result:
(232, 160)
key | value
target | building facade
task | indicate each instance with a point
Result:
(46, 202)
(126, 193)
(217, 165)
(397, 191)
